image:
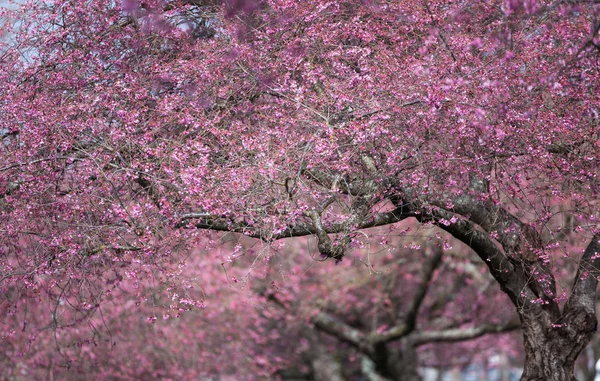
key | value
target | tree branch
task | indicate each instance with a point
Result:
(394, 333)
(407, 325)
(519, 241)
(460, 334)
(508, 273)
(428, 269)
(337, 328)
(326, 247)
(219, 223)
(343, 183)
(510, 230)
(583, 295)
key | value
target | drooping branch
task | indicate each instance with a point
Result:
(512, 233)
(518, 239)
(474, 222)
(499, 264)
(514, 277)
(509, 273)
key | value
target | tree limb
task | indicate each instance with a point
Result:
(509, 274)
(583, 295)
(407, 325)
(219, 223)
(337, 328)
(429, 268)
(459, 334)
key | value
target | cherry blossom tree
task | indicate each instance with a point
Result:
(357, 310)
(292, 320)
(130, 130)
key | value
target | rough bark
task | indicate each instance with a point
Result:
(552, 344)
(546, 357)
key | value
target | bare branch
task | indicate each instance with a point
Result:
(391, 334)
(407, 325)
(337, 328)
(428, 269)
(460, 334)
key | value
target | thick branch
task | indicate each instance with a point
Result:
(583, 293)
(460, 334)
(326, 247)
(512, 233)
(337, 328)
(502, 269)
(518, 239)
(394, 333)
(208, 221)
(407, 325)
(428, 269)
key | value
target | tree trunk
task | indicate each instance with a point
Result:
(545, 361)
(551, 349)
(403, 364)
